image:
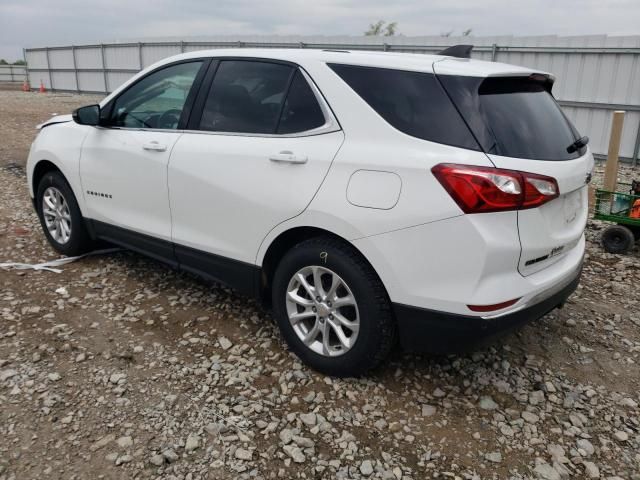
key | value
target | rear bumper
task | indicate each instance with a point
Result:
(423, 330)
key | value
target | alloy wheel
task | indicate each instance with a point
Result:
(56, 214)
(322, 311)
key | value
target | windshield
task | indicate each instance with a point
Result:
(513, 116)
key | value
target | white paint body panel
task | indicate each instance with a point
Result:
(115, 163)
(226, 195)
(61, 145)
(470, 259)
(556, 226)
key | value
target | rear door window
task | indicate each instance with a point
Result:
(301, 111)
(514, 116)
(246, 97)
(413, 102)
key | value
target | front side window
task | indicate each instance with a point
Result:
(246, 97)
(157, 100)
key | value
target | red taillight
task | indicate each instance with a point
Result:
(538, 189)
(485, 189)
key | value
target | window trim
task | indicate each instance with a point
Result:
(186, 109)
(330, 125)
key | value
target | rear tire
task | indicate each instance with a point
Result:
(617, 239)
(359, 324)
(60, 216)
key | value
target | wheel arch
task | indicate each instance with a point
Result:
(44, 166)
(286, 240)
(41, 168)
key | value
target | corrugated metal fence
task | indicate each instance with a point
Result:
(12, 73)
(595, 74)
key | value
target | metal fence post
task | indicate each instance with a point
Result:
(104, 69)
(140, 55)
(46, 51)
(11, 72)
(494, 51)
(636, 149)
(181, 46)
(75, 67)
(26, 67)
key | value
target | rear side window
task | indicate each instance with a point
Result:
(414, 103)
(301, 111)
(513, 116)
(246, 97)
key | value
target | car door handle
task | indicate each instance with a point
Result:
(287, 157)
(155, 146)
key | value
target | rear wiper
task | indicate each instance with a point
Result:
(575, 146)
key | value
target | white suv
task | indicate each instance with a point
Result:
(365, 196)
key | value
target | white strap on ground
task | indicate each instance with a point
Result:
(51, 265)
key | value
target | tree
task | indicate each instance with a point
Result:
(19, 62)
(464, 33)
(374, 29)
(390, 29)
(3, 61)
(382, 28)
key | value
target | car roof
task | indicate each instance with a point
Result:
(401, 61)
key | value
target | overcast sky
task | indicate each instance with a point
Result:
(30, 23)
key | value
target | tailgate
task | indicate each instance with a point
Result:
(520, 126)
(549, 232)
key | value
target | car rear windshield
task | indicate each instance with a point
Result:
(513, 116)
(415, 103)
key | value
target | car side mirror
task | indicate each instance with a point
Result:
(89, 115)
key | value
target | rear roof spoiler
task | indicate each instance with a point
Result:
(458, 51)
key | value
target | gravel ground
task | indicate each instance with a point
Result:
(121, 368)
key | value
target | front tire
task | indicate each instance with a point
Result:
(60, 216)
(332, 308)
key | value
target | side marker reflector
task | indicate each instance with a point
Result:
(494, 307)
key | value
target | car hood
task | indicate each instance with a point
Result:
(55, 119)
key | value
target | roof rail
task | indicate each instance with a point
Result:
(458, 51)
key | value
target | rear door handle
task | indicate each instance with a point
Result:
(287, 157)
(154, 146)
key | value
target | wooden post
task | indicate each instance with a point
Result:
(611, 168)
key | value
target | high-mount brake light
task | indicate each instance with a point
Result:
(485, 189)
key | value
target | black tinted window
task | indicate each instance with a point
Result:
(157, 100)
(513, 117)
(246, 97)
(301, 111)
(412, 102)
